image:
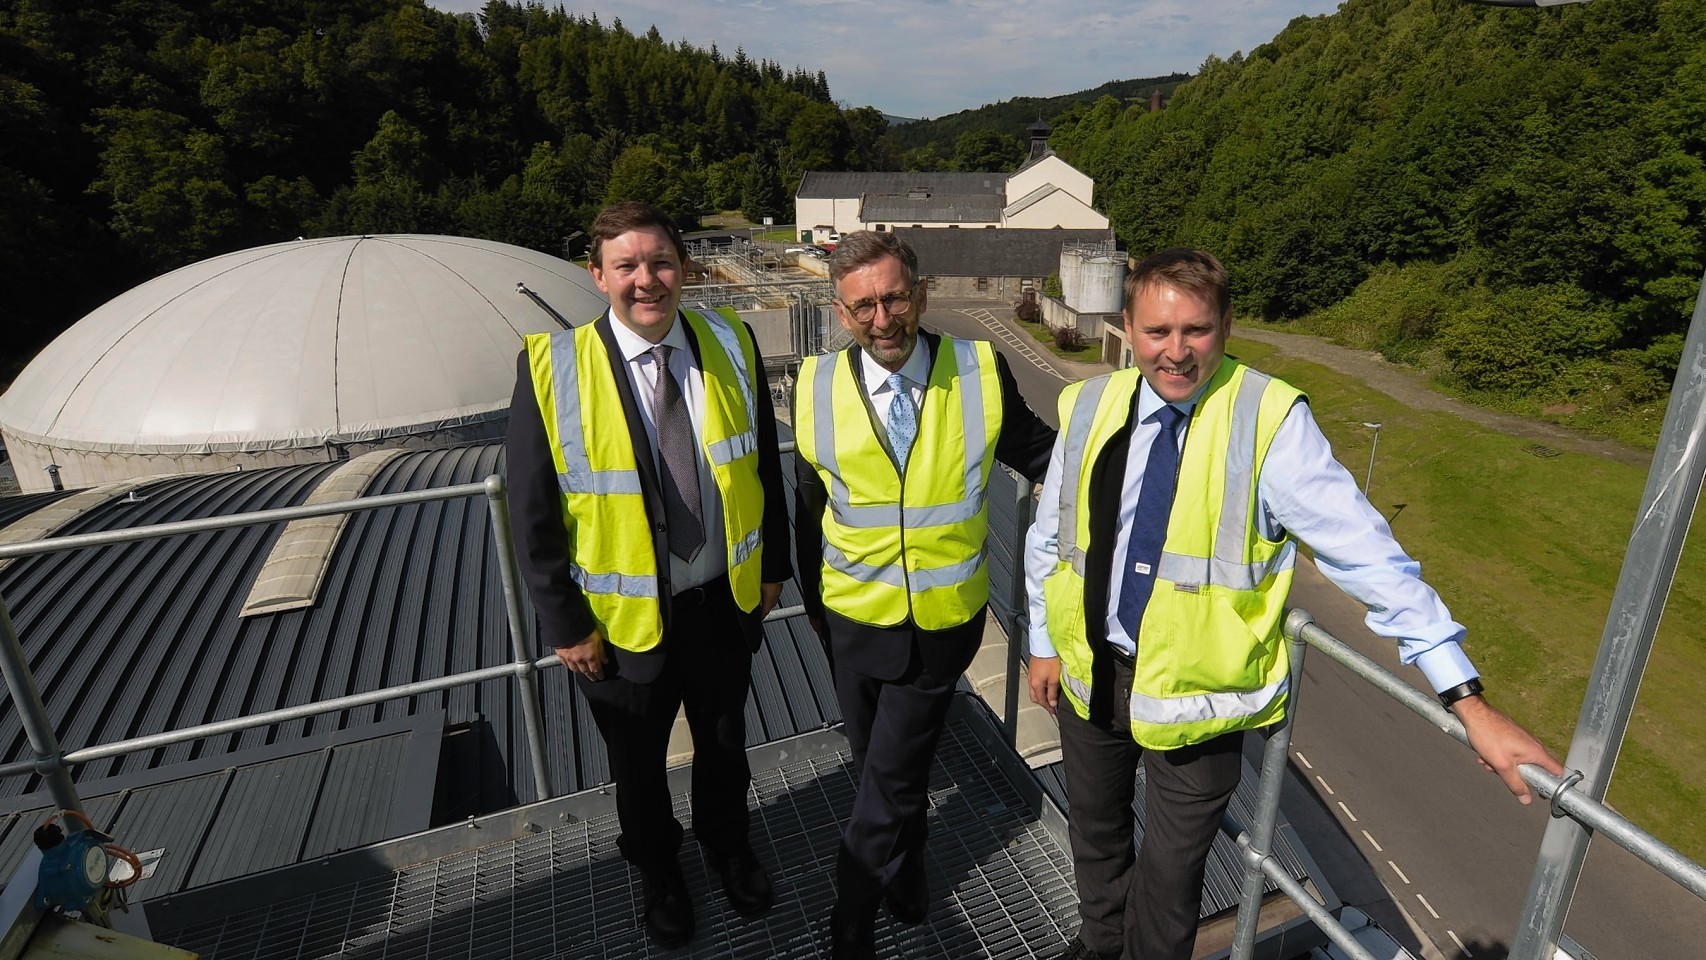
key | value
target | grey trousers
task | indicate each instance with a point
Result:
(1140, 902)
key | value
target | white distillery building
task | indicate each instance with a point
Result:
(307, 351)
(1045, 193)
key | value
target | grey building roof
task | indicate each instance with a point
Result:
(143, 637)
(934, 208)
(949, 252)
(828, 185)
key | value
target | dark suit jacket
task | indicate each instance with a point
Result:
(1025, 444)
(536, 512)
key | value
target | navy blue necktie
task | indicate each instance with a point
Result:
(1149, 525)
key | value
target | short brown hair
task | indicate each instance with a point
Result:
(619, 218)
(1196, 272)
(862, 248)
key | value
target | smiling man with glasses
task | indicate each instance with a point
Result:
(898, 435)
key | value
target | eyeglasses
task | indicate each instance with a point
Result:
(864, 311)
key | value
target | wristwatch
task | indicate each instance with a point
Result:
(1468, 688)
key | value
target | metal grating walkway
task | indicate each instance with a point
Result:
(1001, 884)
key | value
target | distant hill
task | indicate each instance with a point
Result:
(1012, 117)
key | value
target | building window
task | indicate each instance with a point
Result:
(929, 283)
(918, 226)
(983, 283)
(881, 228)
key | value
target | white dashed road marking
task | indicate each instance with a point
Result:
(1305, 761)
(1006, 335)
(1348, 812)
(1399, 872)
(1324, 785)
(1373, 842)
(1466, 951)
(1431, 911)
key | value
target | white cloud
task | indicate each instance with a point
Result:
(935, 57)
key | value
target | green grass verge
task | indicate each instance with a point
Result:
(1526, 547)
(1091, 352)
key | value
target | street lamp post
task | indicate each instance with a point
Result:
(1369, 479)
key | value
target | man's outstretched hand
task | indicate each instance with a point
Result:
(1501, 744)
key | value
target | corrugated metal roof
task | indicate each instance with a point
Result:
(139, 638)
(230, 816)
(1008, 252)
(829, 185)
(934, 208)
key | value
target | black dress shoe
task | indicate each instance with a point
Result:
(1076, 950)
(850, 938)
(908, 895)
(745, 884)
(669, 913)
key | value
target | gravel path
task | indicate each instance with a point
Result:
(1410, 387)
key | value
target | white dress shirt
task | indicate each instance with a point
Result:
(1303, 491)
(915, 371)
(712, 560)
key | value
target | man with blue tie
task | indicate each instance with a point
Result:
(1159, 566)
(898, 435)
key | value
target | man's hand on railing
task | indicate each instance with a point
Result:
(585, 658)
(1045, 682)
(769, 593)
(1501, 744)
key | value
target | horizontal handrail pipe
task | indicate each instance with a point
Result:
(104, 538)
(1584, 810)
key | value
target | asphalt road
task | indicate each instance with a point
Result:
(1447, 843)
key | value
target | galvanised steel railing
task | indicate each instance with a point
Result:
(53, 763)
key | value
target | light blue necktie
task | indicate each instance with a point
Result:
(903, 420)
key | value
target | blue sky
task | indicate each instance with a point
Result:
(926, 58)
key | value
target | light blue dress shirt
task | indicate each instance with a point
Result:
(1302, 490)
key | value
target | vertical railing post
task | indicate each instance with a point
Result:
(1649, 566)
(1018, 602)
(526, 675)
(32, 714)
(1274, 757)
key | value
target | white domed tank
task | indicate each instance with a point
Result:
(297, 352)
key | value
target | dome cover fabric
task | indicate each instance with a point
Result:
(298, 345)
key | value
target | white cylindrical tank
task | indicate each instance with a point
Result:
(1071, 277)
(1102, 280)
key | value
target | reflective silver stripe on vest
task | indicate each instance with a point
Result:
(725, 452)
(892, 576)
(620, 584)
(1227, 567)
(823, 430)
(1072, 465)
(1204, 571)
(971, 414)
(1077, 686)
(1206, 706)
(951, 575)
(746, 545)
(578, 476)
(879, 516)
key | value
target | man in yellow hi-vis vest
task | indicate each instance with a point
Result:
(1158, 567)
(647, 505)
(897, 437)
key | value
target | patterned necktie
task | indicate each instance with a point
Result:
(903, 420)
(1149, 525)
(675, 451)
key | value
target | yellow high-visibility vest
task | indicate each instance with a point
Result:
(904, 547)
(1210, 658)
(611, 556)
